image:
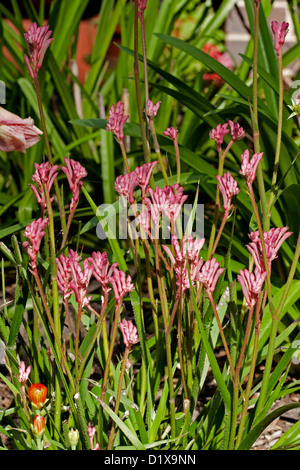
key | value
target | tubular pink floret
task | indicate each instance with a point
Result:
(151, 108)
(249, 167)
(219, 133)
(102, 269)
(44, 176)
(143, 174)
(210, 274)
(35, 233)
(38, 40)
(279, 32)
(23, 372)
(129, 332)
(116, 121)
(17, 134)
(125, 185)
(273, 239)
(74, 172)
(171, 132)
(237, 132)
(228, 187)
(121, 284)
(251, 284)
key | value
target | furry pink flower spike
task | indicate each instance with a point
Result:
(171, 132)
(273, 239)
(279, 32)
(228, 187)
(129, 332)
(102, 269)
(121, 284)
(251, 284)
(249, 167)
(44, 176)
(237, 132)
(151, 109)
(219, 133)
(143, 174)
(210, 274)
(74, 172)
(125, 184)
(17, 134)
(116, 121)
(142, 4)
(38, 40)
(35, 233)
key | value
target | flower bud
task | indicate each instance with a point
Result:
(73, 437)
(37, 394)
(38, 426)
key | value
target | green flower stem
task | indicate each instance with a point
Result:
(165, 315)
(279, 134)
(180, 347)
(236, 382)
(251, 373)
(51, 322)
(157, 151)
(47, 144)
(177, 154)
(124, 155)
(119, 306)
(260, 179)
(118, 398)
(55, 300)
(274, 329)
(95, 335)
(217, 203)
(150, 289)
(212, 301)
(136, 69)
(216, 242)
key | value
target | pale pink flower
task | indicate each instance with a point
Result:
(273, 239)
(74, 172)
(38, 40)
(279, 32)
(228, 187)
(210, 274)
(35, 233)
(121, 284)
(249, 167)
(125, 185)
(116, 121)
(44, 176)
(171, 132)
(129, 333)
(143, 174)
(64, 275)
(23, 373)
(151, 108)
(237, 132)
(251, 284)
(219, 133)
(17, 134)
(102, 269)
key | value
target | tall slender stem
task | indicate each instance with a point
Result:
(260, 179)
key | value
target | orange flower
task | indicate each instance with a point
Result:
(38, 426)
(37, 394)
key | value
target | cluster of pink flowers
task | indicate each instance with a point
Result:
(151, 108)
(74, 172)
(229, 188)
(129, 333)
(218, 134)
(35, 232)
(185, 261)
(44, 176)
(116, 121)
(166, 201)
(72, 278)
(279, 32)
(38, 40)
(249, 167)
